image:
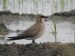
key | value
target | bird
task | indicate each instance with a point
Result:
(33, 32)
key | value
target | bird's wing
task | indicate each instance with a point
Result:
(29, 33)
(32, 31)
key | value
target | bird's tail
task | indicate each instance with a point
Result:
(15, 38)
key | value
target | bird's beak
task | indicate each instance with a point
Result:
(44, 16)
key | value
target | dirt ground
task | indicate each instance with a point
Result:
(42, 49)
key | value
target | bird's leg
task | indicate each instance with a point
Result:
(33, 41)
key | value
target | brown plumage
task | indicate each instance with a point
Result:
(32, 33)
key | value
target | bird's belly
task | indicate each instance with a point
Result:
(32, 38)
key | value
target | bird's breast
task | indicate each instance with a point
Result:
(41, 31)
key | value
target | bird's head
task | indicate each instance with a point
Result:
(40, 18)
